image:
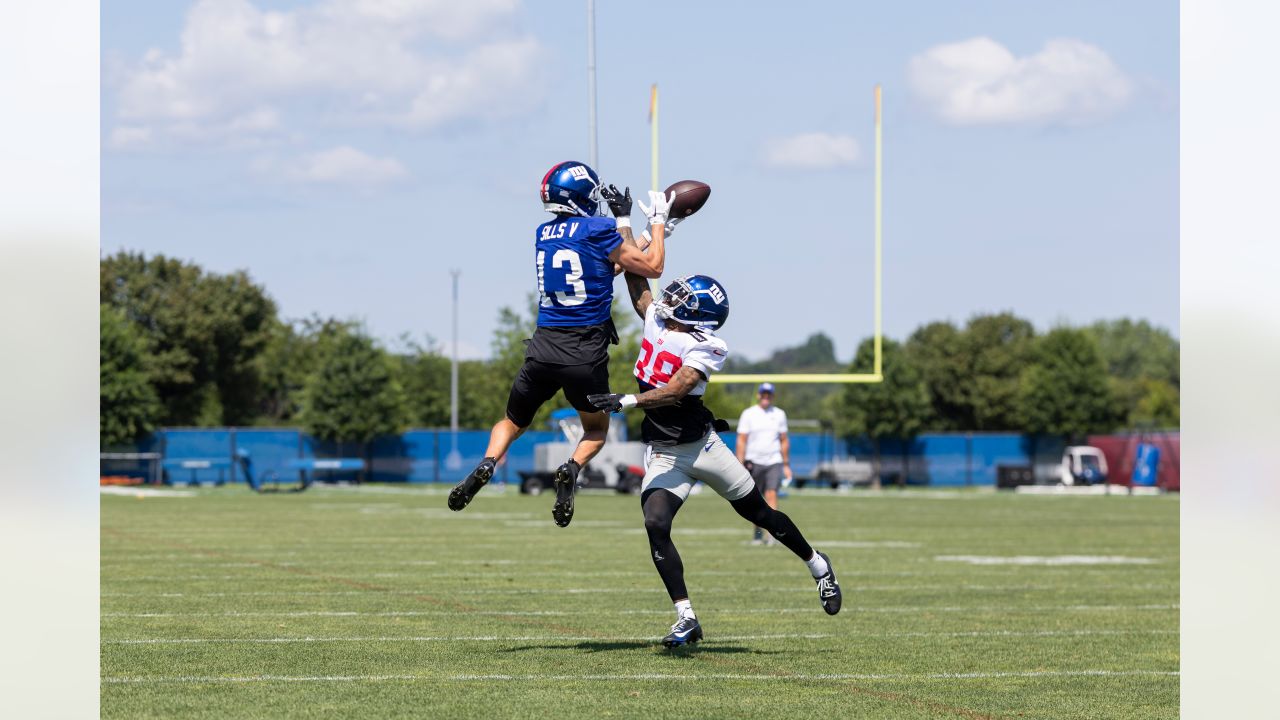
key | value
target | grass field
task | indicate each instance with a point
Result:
(378, 602)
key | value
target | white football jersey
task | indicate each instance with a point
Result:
(663, 352)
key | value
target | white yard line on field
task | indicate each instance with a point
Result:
(612, 611)
(212, 679)
(1046, 559)
(722, 590)
(631, 638)
(1016, 587)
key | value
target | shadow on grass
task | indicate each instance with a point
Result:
(595, 646)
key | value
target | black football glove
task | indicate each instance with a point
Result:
(619, 201)
(607, 402)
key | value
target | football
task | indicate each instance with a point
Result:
(690, 196)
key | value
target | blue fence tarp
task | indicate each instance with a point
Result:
(269, 452)
(422, 456)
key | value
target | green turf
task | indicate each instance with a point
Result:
(404, 609)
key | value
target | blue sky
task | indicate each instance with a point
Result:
(348, 154)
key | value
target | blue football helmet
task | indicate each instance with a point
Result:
(694, 300)
(572, 188)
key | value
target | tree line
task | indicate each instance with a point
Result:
(184, 347)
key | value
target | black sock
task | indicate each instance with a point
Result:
(660, 508)
(756, 510)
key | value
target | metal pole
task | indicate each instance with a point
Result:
(591, 82)
(454, 460)
(453, 371)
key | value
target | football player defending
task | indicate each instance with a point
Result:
(677, 356)
(575, 257)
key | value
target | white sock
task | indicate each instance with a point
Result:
(817, 565)
(684, 609)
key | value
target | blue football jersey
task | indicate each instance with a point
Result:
(575, 276)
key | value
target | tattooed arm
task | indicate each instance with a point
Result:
(681, 384)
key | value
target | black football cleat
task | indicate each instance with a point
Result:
(686, 631)
(828, 588)
(566, 485)
(462, 493)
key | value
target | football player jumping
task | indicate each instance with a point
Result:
(678, 354)
(576, 254)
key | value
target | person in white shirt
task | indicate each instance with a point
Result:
(764, 448)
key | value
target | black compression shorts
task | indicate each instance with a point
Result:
(537, 382)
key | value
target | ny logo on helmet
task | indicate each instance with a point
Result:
(716, 294)
(578, 172)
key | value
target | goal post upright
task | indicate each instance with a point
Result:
(879, 228)
(653, 137)
(876, 375)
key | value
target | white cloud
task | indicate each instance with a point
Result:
(812, 151)
(417, 63)
(342, 165)
(980, 82)
(125, 137)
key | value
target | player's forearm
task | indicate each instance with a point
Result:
(641, 295)
(656, 253)
(786, 450)
(628, 238)
(660, 397)
(648, 264)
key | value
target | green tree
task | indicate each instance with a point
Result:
(1065, 390)
(353, 395)
(425, 375)
(1158, 406)
(1136, 350)
(938, 350)
(996, 349)
(482, 394)
(127, 404)
(1143, 361)
(292, 354)
(897, 407)
(205, 335)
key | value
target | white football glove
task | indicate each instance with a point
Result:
(670, 226)
(659, 208)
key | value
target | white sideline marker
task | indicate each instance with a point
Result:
(141, 492)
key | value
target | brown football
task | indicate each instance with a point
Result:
(691, 195)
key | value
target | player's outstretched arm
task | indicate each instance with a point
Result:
(681, 384)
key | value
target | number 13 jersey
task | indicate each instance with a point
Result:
(575, 275)
(662, 353)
